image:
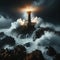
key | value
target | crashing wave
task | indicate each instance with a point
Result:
(44, 35)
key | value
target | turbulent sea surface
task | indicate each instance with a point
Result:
(49, 38)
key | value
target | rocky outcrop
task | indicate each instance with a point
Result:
(2, 34)
(7, 41)
(35, 55)
(51, 51)
(57, 57)
(19, 53)
(28, 44)
(41, 30)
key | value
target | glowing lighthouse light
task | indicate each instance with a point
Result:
(28, 10)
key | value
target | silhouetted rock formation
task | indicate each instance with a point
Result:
(41, 30)
(27, 44)
(51, 51)
(24, 29)
(18, 53)
(7, 41)
(2, 34)
(57, 57)
(35, 55)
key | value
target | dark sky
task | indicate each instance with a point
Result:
(51, 13)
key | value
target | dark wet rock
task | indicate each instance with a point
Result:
(27, 28)
(41, 30)
(20, 48)
(35, 55)
(2, 35)
(18, 53)
(24, 30)
(39, 33)
(57, 32)
(51, 51)
(27, 44)
(57, 57)
(7, 41)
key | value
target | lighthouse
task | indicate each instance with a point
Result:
(28, 25)
(29, 9)
(29, 18)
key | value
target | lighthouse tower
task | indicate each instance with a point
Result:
(29, 18)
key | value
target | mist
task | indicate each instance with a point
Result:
(5, 22)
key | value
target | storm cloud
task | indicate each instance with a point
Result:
(43, 2)
(5, 22)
